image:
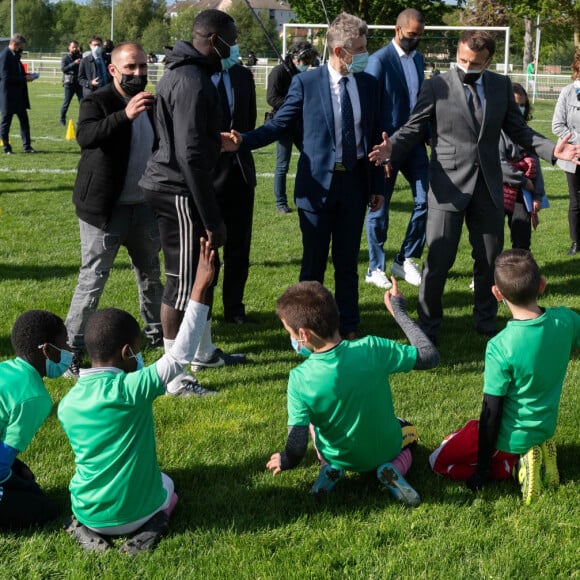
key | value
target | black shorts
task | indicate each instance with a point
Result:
(180, 229)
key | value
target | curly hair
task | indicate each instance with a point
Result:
(108, 331)
(33, 329)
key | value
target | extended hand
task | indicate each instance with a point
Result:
(217, 237)
(231, 141)
(381, 153)
(566, 151)
(394, 291)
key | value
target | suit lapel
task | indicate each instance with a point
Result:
(326, 100)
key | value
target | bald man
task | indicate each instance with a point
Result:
(116, 136)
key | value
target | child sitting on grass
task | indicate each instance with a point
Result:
(118, 488)
(525, 366)
(39, 341)
(342, 389)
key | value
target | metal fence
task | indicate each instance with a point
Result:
(548, 86)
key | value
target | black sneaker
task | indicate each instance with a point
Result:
(30, 150)
(89, 540)
(283, 209)
(73, 370)
(147, 536)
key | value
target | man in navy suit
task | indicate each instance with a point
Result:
(334, 181)
(14, 93)
(399, 68)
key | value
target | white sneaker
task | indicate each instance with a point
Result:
(378, 278)
(185, 385)
(408, 271)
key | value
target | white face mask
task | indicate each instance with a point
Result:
(96, 50)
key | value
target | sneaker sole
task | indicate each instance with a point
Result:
(529, 475)
(549, 457)
(397, 486)
(387, 287)
(401, 274)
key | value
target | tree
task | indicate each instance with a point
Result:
(132, 17)
(251, 37)
(94, 18)
(155, 36)
(180, 26)
(32, 19)
(66, 17)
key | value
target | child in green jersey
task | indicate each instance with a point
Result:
(525, 367)
(39, 341)
(118, 487)
(342, 390)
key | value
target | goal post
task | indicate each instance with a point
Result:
(438, 44)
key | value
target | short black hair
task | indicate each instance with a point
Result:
(33, 329)
(517, 276)
(309, 305)
(108, 331)
(212, 21)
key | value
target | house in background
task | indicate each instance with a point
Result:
(278, 10)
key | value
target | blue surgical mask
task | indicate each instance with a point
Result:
(97, 51)
(139, 358)
(301, 67)
(359, 62)
(233, 59)
(299, 347)
(55, 370)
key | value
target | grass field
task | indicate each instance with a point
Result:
(234, 519)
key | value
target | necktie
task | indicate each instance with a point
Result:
(225, 105)
(348, 134)
(475, 105)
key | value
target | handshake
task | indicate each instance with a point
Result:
(231, 141)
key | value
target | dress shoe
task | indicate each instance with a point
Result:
(240, 319)
(30, 150)
(283, 209)
(573, 249)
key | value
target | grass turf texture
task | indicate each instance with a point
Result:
(234, 518)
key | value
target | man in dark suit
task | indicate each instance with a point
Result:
(116, 139)
(234, 183)
(69, 65)
(93, 69)
(466, 109)
(14, 94)
(334, 183)
(399, 68)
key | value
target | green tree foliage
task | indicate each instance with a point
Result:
(155, 36)
(180, 26)
(94, 18)
(132, 17)
(251, 37)
(372, 11)
(65, 17)
(33, 19)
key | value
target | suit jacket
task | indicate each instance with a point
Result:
(104, 134)
(395, 105)
(13, 84)
(458, 150)
(243, 119)
(88, 71)
(309, 99)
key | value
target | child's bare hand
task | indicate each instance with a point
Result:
(205, 271)
(394, 291)
(274, 464)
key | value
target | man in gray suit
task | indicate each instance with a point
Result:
(466, 109)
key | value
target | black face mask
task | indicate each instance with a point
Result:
(133, 84)
(468, 78)
(409, 44)
(75, 54)
(19, 52)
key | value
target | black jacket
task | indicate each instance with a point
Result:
(70, 69)
(187, 121)
(13, 84)
(279, 81)
(104, 134)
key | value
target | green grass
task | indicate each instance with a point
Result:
(234, 519)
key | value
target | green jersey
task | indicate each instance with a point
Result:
(526, 364)
(108, 419)
(24, 403)
(345, 393)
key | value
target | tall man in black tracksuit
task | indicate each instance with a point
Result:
(116, 136)
(178, 180)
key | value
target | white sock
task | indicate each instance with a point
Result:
(206, 347)
(174, 385)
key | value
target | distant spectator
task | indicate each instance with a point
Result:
(93, 72)
(152, 58)
(69, 65)
(14, 93)
(108, 47)
(252, 59)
